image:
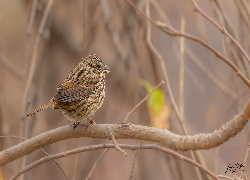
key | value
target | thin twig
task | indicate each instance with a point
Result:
(223, 30)
(24, 123)
(243, 12)
(237, 178)
(209, 75)
(117, 147)
(107, 16)
(10, 67)
(171, 31)
(144, 99)
(102, 146)
(76, 160)
(222, 176)
(179, 115)
(133, 167)
(225, 21)
(1, 115)
(17, 137)
(90, 173)
(182, 64)
(223, 44)
(242, 174)
(89, 176)
(29, 30)
(230, 106)
(194, 58)
(84, 28)
(174, 32)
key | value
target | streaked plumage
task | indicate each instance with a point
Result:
(83, 91)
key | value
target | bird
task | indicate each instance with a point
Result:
(82, 93)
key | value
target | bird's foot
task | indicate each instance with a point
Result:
(75, 124)
(91, 121)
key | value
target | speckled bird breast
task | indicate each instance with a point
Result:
(82, 109)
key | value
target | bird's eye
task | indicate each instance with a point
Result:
(98, 66)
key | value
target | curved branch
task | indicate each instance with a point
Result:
(103, 146)
(131, 131)
(173, 32)
(222, 29)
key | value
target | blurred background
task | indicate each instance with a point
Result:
(212, 93)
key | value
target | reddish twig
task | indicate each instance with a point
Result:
(171, 31)
(90, 173)
(222, 176)
(76, 161)
(32, 72)
(29, 30)
(242, 174)
(169, 89)
(102, 146)
(117, 147)
(144, 99)
(194, 58)
(222, 29)
(113, 138)
(136, 154)
(17, 137)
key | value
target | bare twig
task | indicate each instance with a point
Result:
(196, 61)
(174, 32)
(101, 146)
(242, 174)
(10, 67)
(223, 44)
(1, 116)
(144, 99)
(171, 31)
(164, 71)
(89, 176)
(160, 58)
(182, 64)
(222, 176)
(17, 137)
(230, 106)
(84, 27)
(223, 30)
(29, 30)
(76, 161)
(24, 124)
(225, 21)
(117, 147)
(209, 75)
(114, 34)
(90, 173)
(242, 7)
(113, 138)
(133, 167)
(237, 178)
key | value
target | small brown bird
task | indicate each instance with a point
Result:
(83, 91)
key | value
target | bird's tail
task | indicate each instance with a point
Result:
(45, 106)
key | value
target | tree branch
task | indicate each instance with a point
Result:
(173, 32)
(102, 146)
(222, 29)
(131, 131)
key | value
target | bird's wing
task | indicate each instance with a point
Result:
(70, 91)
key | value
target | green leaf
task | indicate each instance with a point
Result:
(156, 99)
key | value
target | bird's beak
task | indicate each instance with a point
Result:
(106, 69)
